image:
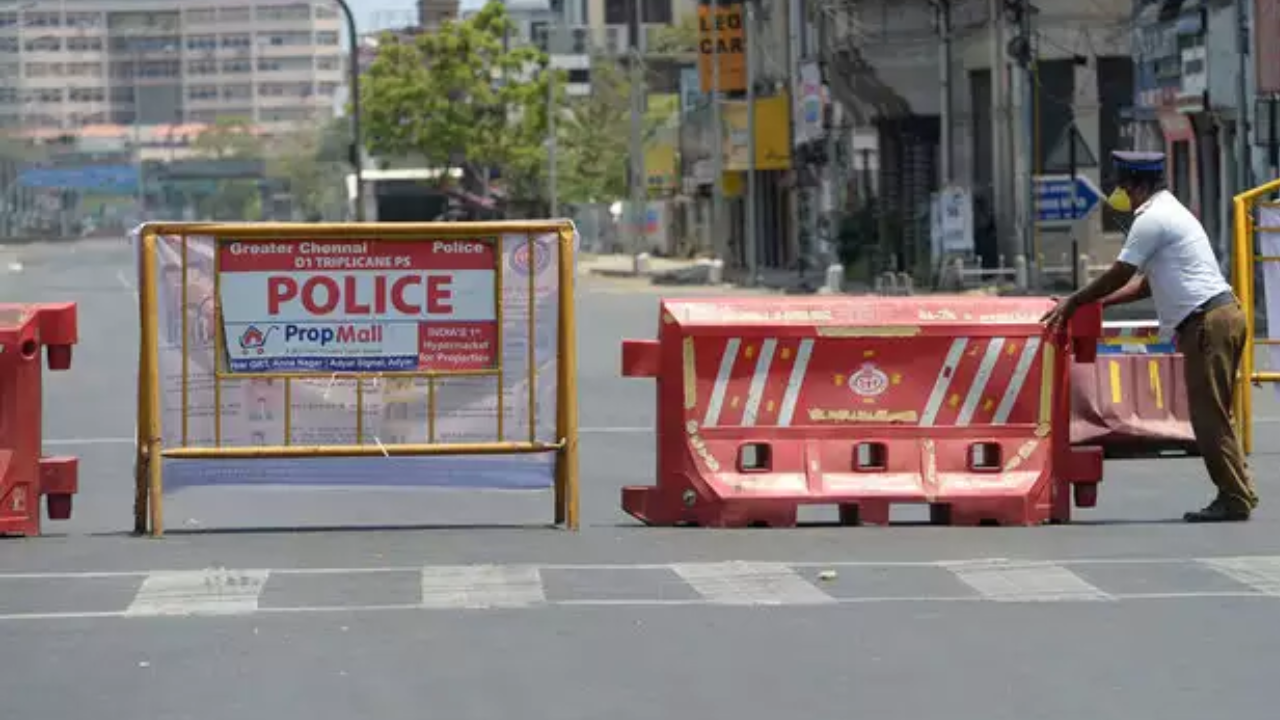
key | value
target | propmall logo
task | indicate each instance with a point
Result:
(333, 335)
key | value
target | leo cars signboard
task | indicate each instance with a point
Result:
(325, 306)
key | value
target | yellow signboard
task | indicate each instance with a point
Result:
(773, 134)
(660, 169)
(724, 32)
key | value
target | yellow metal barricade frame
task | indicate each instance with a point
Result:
(1243, 271)
(150, 451)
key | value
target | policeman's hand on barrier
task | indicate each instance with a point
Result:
(1056, 319)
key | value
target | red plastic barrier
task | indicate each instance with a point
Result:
(1133, 400)
(765, 404)
(25, 475)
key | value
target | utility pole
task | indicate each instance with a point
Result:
(1244, 164)
(1030, 55)
(553, 46)
(999, 124)
(719, 239)
(943, 9)
(638, 189)
(749, 11)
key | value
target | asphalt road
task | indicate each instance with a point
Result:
(468, 606)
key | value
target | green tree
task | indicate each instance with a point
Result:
(459, 96)
(679, 40)
(595, 137)
(313, 161)
(230, 138)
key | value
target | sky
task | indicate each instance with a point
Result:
(382, 14)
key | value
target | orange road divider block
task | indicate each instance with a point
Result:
(767, 404)
(25, 475)
(1133, 400)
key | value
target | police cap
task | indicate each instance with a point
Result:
(1129, 161)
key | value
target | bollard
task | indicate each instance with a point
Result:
(643, 264)
(906, 283)
(715, 274)
(1020, 272)
(835, 279)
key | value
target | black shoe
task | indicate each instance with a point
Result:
(1217, 512)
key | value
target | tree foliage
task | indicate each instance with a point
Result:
(312, 160)
(459, 96)
(679, 40)
(230, 138)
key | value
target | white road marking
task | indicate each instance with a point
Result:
(199, 592)
(221, 592)
(1260, 573)
(798, 371)
(954, 355)
(748, 583)
(1013, 581)
(718, 390)
(481, 586)
(756, 392)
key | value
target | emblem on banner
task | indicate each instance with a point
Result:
(869, 381)
(253, 339)
(521, 261)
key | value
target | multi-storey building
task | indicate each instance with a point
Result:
(65, 64)
(433, 13)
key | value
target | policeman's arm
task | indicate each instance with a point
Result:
(1105, 285)
(1136, 289)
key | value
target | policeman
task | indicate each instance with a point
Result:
(1167, 256)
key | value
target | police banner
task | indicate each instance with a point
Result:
(329, 306)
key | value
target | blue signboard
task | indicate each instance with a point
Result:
(1053, 198)
(104, 179)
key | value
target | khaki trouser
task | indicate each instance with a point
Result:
(1212, 344)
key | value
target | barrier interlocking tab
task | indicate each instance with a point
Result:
(1133, 401)
(25, 474)
(767, 404)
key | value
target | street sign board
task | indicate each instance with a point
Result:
(1053, 199)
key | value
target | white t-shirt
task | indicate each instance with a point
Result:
(1170, 247)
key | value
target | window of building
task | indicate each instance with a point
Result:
(84, 20)
(49, 96)
(42, 20)
(289, 39)
(236, 41)
(84, 69)
(202, 17)
(161, 69)
(88, 95)
(8, 95)
(328, 63)
(284, 12)
(8, 19)
(236, 66)
(326, 12)
(202, 42)
(202, 92)
(44, 44)
(237, 92)
(8, 45)
(284, 64)
(84, 44)
(329, 89)
(202, 67)
(622, 12)
(44, 70)
(326, 38)
(234, 14)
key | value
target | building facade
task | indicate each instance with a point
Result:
(433, 13)
(66, 64)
